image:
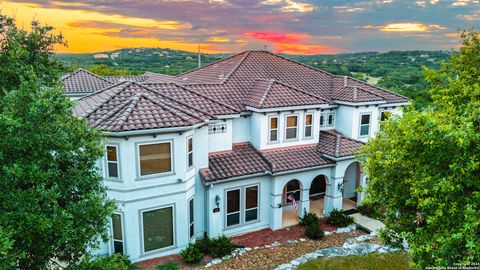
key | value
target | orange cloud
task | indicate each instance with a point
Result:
(405, 27)
(275, 37)
(218, 39)
(304, 49)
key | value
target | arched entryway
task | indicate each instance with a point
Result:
(292, 193)
(351, 182)
(318, 189)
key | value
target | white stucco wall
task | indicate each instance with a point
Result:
(221, 141)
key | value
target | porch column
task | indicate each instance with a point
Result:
(304, 204)
(276, 221)
(334, 195)
(361, 195)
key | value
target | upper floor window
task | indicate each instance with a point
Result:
(291, 129)
(155, 158)
(330, 119)
(112, 161)
(308, 125)
(322, 120)
(189, 152)
(273, 129)
(364, 124)
(385, 115)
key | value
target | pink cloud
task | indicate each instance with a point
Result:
(276, 37)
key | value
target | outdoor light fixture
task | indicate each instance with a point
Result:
(217, 200)
(340, 187)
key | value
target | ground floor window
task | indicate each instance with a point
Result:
(157, 228)
(242, 205)
(117, 234)
(191, 227)
(292, 189)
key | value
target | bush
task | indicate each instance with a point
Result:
(391, 238)
(313, 231)
(339, 219)
(219, 247)
(309, 218)
(115, 262)
(370, 210)
(203, 245)
(168, 266)
(191, 254)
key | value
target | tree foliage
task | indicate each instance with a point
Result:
(424, 168)
(104, 70)
(53, 204)
(23, 51)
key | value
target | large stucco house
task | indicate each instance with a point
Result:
(220, 149)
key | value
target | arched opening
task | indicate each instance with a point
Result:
(318, 189)
(292, 193)
(351, 182)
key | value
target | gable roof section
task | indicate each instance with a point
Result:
(123, 78)
(292, 158)
(130, 106)
(83, 81)
(274, 94)
(333, 144)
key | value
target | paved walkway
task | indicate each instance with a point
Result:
(369, 224)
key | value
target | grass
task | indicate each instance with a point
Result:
(374, 261)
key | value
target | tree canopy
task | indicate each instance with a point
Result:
(53, 204)
(424, 168)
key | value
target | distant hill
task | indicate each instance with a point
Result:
(400, 71)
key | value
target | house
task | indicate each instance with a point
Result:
(226, 148)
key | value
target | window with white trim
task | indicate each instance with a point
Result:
(155, 158)
(233, 207)
(292, 188)
(112, 161)
(308, 125)
(190, 152)
(191, 222)
(118, 244)
(157, 229)
(291, 127)
(322, 120)
(330, 119)
(273, 129)
(251, 203)
(365, 124)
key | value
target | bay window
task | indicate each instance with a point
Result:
(308, 125)
(190, 152)
(117, 234)
(291, 127)
(273, 129)
(155, 158)
(191, 227)
(112, 162)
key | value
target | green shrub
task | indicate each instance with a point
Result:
(370, 210)
(313, 231)
(219, 247)
(309, 218)
(168, 266)
(203, 245)
(115, 262)
(339, 219)
(191, 254)
(391, 238)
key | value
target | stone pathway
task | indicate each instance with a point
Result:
(366, 223)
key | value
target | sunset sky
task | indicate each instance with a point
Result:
(284, 26)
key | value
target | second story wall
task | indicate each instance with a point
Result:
(220, 136)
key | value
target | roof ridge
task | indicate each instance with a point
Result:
(90, 73)
(235, 67)
(104, 89)
(99, 104)
(204, 96)
(302, 64)
(365, 90)
(266, 92)
(380, 88)
(178, 101)
(171, 108)
(112, 112)
(300, 90)
(210, 64)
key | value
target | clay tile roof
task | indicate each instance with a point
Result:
(82, 81)
(332, 143)
(152, 77)
(274, 94)
(298, 157)
(244, 159)
(122, 78)
(130, 106)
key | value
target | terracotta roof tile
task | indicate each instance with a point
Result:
(291, 158)
(334, 144)
(83, 81)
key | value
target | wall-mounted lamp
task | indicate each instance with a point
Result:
(217, 200)
(340, 187)
(179, 180)
(279, 205)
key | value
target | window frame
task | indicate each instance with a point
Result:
(312, 121)
(324, 124)
(239, 212)
(274, 129)
(327, 114)
(189, 167)
(243, 209)
(142, 232)
(112, 239)
(172, 161)
(287, 128)
(107, 174)
(285, 199)
(191, 213)
(360, 125)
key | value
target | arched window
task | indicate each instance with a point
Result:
(291, 188)
(319, 186)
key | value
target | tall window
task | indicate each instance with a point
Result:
(291, 127)
(322, 120)
(112, 161)
(191, 227)
(308, 125)
(251, 203)
(273, 129)
(330, 119)
(292, 188)
(233, 207)
(190, 152)
(155, 158)
(364, 124)
(157, 228)
(117, 231)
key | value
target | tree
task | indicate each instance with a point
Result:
(424, 168)
(104, 70)
(22, 51)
